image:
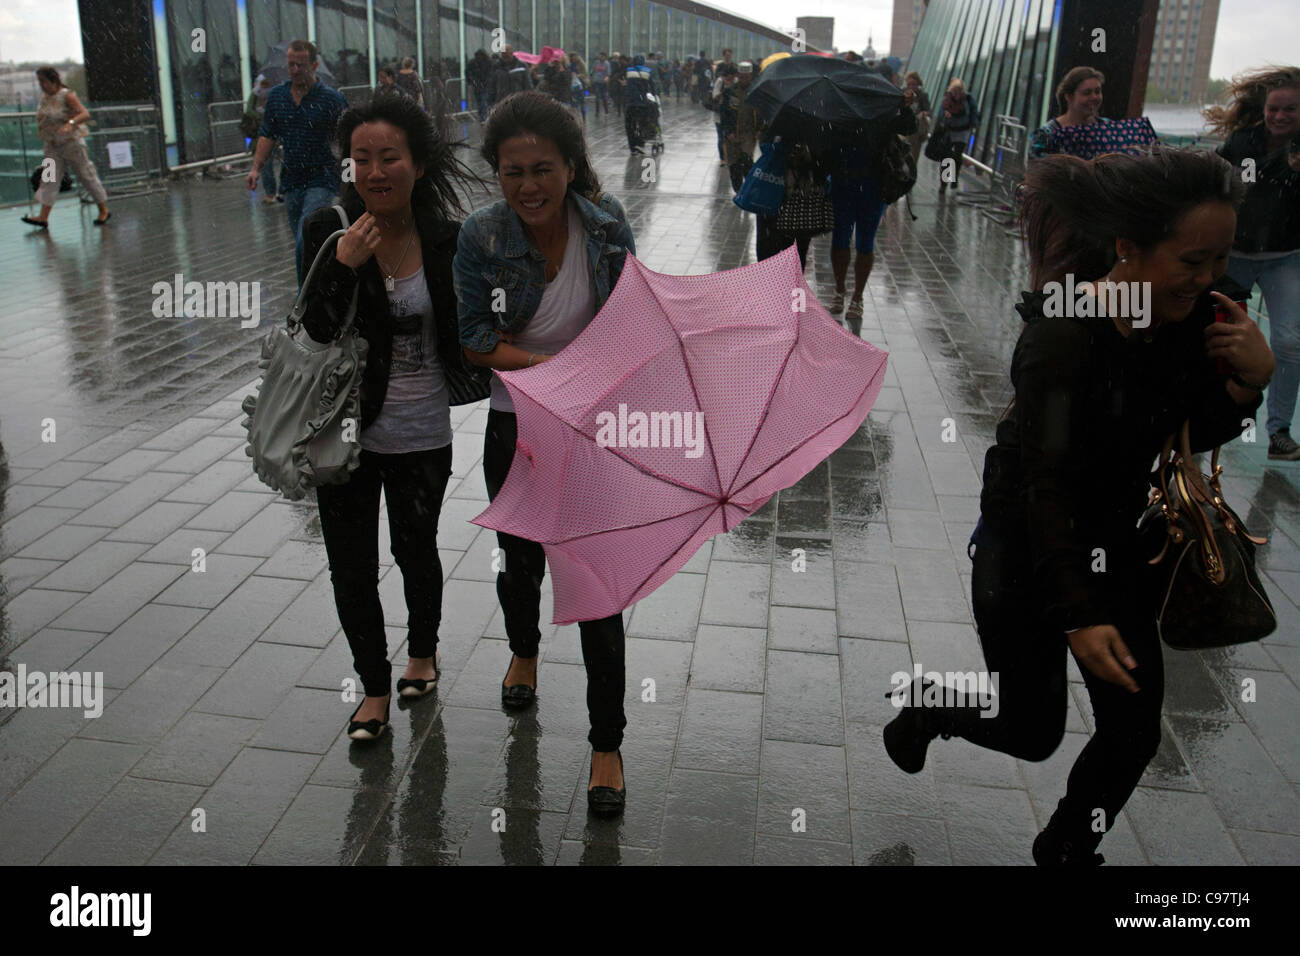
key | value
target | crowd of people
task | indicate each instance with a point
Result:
(1067, 473)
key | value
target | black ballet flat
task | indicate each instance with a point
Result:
(38, 223)
(517, 695)
(368, 729)
(418, 686)
(100, 222)
(606, 801)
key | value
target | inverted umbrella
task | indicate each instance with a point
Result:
(803, 96)
(1089, 141)
(678, 412)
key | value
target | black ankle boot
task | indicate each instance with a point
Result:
(908, 736)
(1052, 848)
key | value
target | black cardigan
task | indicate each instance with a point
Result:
(1073, 460)
(331, 290)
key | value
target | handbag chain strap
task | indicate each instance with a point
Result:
(1184, 491)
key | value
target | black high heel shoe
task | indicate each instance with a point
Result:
(371, 729)
(418, 686)
(606, 801)
(517, 695)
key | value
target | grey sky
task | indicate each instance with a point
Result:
(1250, 32)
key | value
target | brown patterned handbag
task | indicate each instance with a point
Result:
(1211, 595)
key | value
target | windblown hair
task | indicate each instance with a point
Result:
(1073, 80)
(1072, 210)
(1246, 98)
(534, 112)
(51, 74)
(444, 172)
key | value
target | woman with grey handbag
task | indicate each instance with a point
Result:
(396, 256)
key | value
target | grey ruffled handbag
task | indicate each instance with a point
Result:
(304, 423)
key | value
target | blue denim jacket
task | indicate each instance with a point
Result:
(493, 253)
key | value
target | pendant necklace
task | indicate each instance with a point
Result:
(390, 282)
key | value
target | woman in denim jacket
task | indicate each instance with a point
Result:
(549, 252)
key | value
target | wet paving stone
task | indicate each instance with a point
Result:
(299, 840)
(709, 819)
(1238, 775)
(1181, 828)
(772, 850)
(720, 730)
(796, 706)
(128, 826)
(728, 658)
(987, 826)
(129, 650)
(37, 817)
(885, 839)
(197, 749)
(513, 837)
(803, 786)
(239, 811)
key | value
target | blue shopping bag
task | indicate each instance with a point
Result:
(764, 187)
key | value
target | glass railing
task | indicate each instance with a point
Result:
(122, 141)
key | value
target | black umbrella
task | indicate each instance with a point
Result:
(805, 96)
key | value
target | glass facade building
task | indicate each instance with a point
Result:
(355, 37)
(1003, 50)
(1011, 54)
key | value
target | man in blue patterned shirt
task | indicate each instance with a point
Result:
(302, 114)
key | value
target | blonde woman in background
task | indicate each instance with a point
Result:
(61, 120)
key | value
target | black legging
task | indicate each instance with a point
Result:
(1032, 688)
(413, 486)
(768, 242)
(519, 589)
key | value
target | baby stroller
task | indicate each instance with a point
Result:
(648, 128)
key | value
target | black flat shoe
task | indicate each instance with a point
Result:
(517, 695)
(38, 223)
(368, 729)
(606, 801)
(417, 686)
(100, 222)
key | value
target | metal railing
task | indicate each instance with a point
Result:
(226, 141)
(1011, 154)
(122, 141)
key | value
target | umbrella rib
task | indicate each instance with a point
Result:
(645, 470)
(659, 567)
(644, 524)
(812, 436)
(767, 407)
(686, 366)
